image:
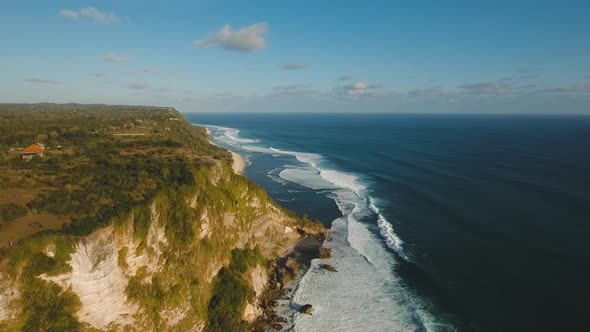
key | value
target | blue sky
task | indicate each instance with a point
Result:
(276, 56)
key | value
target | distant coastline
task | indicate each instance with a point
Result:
(238, 164)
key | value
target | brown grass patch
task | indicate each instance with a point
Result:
(18, 196)
(23, 227)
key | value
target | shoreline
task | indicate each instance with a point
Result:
(277, 305)
(277, 301)
(238, 164)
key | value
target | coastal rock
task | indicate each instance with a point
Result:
(289, 271)
(306, 309)
(251, 312)
(328, 267)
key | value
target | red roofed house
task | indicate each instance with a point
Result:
(31, 151)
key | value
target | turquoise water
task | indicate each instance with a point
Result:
(440, 222)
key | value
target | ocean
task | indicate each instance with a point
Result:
(438, 222)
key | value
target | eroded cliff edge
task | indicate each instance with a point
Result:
(194, 256)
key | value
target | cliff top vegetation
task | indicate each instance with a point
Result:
(99, 161)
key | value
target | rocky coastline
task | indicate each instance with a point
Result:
(276, 302)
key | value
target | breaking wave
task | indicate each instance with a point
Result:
(365, 289)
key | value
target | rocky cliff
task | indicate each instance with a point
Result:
(196, 256)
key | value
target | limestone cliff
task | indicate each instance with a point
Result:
(156, 267)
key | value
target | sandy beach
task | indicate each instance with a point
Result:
(239, 163)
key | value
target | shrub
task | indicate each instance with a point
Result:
(48, 308)
(242, 259)
(11, 211)
(231, 292)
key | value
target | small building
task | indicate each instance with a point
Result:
(31, 151)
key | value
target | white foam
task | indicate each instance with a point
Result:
(386, 229)
(227, 135)
(255, 148)
(304, 157)
(233, 135)
(306, 176)
(337, 178)
(273, 175)
(365, 294)
(342, 180)
(359, 297)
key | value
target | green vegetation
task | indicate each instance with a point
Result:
(150, 294)
(231, 292)
(138, 169)
(31, 254)
(182, 283)
(46, 306)
(242, 259)
(121, 258)
(11, 211)
(100, 161)
(101, 164)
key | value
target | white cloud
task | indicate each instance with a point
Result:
(295, 66)
(138, 86)
(69, 13)
(246, 39)
(90, 13)
(356, 89)
(40, 80)
(110, 57)
(359, 89)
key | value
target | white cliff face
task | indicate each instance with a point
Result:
(98, 281)
(258, 279)
(104, 262)
(251, 312)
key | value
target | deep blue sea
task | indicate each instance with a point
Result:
(439, 222)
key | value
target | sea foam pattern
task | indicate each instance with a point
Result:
(365, 294)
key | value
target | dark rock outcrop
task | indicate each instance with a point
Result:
(325, 252)
(306, 309)
(328, 267)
